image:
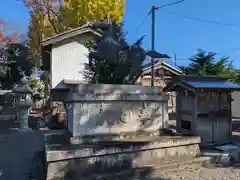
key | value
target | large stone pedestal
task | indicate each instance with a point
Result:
(97, 110)
(113, 128)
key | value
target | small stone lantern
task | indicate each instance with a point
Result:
(24, 102)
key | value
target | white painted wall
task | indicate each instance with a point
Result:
(68, 62)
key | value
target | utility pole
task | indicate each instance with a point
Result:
(153, 10)
(175, 60)
(153, 44)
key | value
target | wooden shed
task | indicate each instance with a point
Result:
(203, 107)
(163, 75)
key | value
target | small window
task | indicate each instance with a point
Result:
(186, 125)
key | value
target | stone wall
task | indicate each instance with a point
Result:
(95, 109)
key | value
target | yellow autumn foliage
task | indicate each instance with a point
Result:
(77, 12)
(47, 20)
(97, 9)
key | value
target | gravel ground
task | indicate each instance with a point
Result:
(197, 172)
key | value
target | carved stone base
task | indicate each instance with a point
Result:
(114, 137)
(94, 160)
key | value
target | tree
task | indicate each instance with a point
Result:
(78, 12)
(48, 18)
(13, 55)
(6, 33)
(203, 64)
(16, 65)
(111, 59)
(35, 35)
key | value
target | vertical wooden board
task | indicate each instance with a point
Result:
(204, 129)
(224, 98)
(172, 102)
(165, 116)
(186, 102)
(70, 117)
(178, 115)
(195, 112)
(221, 130)
(202, 102)
(209, 101)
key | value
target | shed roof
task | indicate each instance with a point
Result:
(84, 29)
(204, 82)
(161, 63)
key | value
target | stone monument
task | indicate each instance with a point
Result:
(113, 110)
(118, 127)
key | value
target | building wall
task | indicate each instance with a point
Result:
(213, 119)
(67, 62)
(236, 104)
(145, 81)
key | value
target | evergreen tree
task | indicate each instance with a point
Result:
(205, 64)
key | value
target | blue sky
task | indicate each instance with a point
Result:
(174, 32)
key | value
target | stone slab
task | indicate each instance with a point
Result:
(89, 159)
(128, 136)
(110, 92)
(92, 118)
(87, 150)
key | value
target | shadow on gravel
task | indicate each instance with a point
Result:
(221, 162)
(144, 173)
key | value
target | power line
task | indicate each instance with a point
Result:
(205, 21)
(152, 12)
(142, 22)
(181, 59)
(170, 4)
(156, 8)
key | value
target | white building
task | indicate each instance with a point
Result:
(64, 55)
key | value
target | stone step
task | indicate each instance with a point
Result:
(83, 160)
(159, 147)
